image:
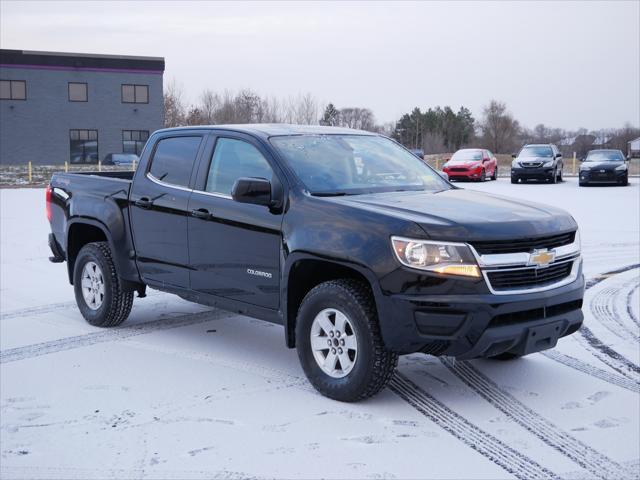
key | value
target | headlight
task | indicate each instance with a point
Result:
(622, 167)
(438, 257)
(515, 164)
(548, 164)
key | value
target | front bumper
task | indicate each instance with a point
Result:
(537, 173)
(598, 176)
(469, 326)
(470, 174)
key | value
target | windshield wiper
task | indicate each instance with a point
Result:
(331, 194)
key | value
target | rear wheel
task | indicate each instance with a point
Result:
(339, 342)
(97, 288)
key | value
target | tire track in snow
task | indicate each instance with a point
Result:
(612, 378)
(490, 447)
(630, 311)
(603, 307)
(52, 307)
(588, 458)
(600, 350)
(110, 335)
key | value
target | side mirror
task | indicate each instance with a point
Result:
(558, 155)
(252, 190)
(513, 155)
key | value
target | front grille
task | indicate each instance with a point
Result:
(457, 169)
(524, 245)
(529, 277)
(535, 314)
(531, 164)
(595, 175)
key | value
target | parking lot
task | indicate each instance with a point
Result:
(185, 391)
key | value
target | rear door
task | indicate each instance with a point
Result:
(234, 248)
(159, 209)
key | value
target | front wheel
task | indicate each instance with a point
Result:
(495, 173)
(554, 178)
(339, 342)
(514, 179)
(560, 179)
(483, 175)
(97, 288)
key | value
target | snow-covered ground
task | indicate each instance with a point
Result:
(183, 391)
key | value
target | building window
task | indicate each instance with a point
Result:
(135, 93)
(83, 146)
(77, 92)
(134, 140)
(13, 90)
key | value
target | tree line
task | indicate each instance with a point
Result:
(433, 130)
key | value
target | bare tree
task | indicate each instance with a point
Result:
(359, 118)
(209, 105)
(499, 128)
(173, 105)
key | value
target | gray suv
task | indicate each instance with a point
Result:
(537, 162)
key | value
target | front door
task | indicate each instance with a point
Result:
(234, 248)
(159, 211)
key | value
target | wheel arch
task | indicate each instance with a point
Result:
(81, 231)
(304, 272)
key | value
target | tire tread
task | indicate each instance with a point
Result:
(385, 361)
(121, 301)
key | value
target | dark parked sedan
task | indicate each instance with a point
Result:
(604, 166)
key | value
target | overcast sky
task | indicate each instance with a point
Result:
(569, 65)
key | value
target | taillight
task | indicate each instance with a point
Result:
(48, 202)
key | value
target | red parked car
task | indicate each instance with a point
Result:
(472, 164)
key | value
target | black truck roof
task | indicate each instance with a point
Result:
(274, 129)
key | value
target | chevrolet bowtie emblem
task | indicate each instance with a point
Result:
(542, 258)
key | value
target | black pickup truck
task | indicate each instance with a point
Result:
(358, 248)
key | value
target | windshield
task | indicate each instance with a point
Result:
(466, 156)
(354, 164)
(536, 151)
(604, 156)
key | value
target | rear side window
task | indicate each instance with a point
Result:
(233, 159)
(174, 158)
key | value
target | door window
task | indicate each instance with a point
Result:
(231, 160)
(174, 158)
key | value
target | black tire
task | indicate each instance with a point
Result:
(560, 178)
(503, 357)
(554, 178)
(495, 173)
(116, 303)
(374, 364)
(483, 176)
(514, 179)
(582, 184)
(625, 182)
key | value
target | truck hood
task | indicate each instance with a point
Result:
(464, 215)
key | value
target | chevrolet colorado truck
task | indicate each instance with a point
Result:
(359, 249)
